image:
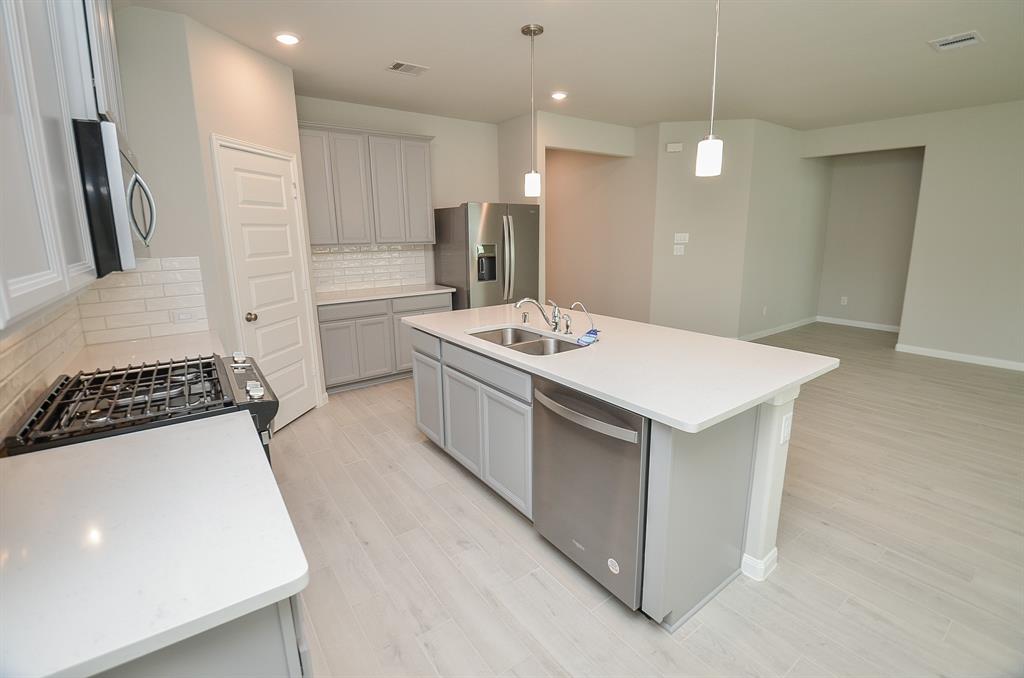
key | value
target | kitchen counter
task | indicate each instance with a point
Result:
(347, 296)
(686, 380)
(114, 548)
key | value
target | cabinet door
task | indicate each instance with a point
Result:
(338, 344)
(106, 76)
(32, 262)
(426, 379)
(388, 189)
(376, 354)
(419, 204)
(462, 419)
(403, 341)
(508, 448)
(351, 164)
(318, 182)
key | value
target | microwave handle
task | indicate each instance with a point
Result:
(137, 182)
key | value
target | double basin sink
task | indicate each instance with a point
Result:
(525, 341)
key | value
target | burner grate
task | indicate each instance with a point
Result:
(105, 400)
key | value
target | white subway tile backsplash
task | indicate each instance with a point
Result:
(171, 277)
(356, 267)
(139, 305)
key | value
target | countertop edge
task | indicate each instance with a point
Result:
(381, 294)
(685, 426)
(169, 637)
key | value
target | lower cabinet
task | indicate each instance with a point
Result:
(463, 421)
(426, 375)
(356, 349)
(507, 448)
(488, 432)
(376, 354)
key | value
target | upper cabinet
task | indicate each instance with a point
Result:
(45, 249)
(364, 188)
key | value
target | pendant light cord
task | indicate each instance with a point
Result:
(533, 111)
(714, 71)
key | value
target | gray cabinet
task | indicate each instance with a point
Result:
(366, 188)
(341, 355)
(426, 375)
(373, 340)
(366, 339)
(388, 189)
(350, 162)
(318, 181)
(419, 207)
(462, 419)
(507, 445)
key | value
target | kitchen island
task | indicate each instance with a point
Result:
(166, 551)
(716, 406)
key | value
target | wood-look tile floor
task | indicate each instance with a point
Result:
(901, 542)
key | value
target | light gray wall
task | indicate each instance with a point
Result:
(785, 232)
(600, 228)
(183, 82)
(965, 285)
(701, 290)
(463, 153)
(871, 215)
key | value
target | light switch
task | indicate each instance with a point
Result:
(674, 147)
(681, 238)
(787, 428)
(678, 250)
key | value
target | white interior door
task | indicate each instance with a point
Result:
(258, 192)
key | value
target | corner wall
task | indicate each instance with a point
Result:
(965, 284)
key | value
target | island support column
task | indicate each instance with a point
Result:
(774, 422)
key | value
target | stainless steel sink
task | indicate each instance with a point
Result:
(507, 336)
(545, 346)
(526, 341)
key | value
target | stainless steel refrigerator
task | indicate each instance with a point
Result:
(488, 251)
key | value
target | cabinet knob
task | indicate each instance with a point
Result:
(251, 317)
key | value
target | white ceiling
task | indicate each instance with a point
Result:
(803, 64)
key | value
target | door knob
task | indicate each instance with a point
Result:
(251, 317)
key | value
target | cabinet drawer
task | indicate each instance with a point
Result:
(426, 344)
(503, 377)
(358, 309)
(439, 301)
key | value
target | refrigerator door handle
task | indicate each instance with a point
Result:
(507, 261)
(512, 257)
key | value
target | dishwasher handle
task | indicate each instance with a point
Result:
(596, 425)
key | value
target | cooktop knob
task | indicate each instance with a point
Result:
(238, 357)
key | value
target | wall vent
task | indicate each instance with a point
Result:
(406, 68)
(955, 41)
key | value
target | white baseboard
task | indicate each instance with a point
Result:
(962, 357)
(857, 323)
(775, 330)
(758, 570)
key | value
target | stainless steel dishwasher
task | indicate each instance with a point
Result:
(590, 484)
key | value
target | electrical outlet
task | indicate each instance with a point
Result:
(787, 428)
(843, 300)
(680, 238)
(182, 316)
(679, 250)
(764, 310)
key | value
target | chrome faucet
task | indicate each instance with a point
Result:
(584, 308)
(540, 307)
(556, 316)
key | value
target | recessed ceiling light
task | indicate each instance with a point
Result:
(559, 95)
(287, 38)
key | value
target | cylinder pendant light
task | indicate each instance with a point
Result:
(531, 181)
(709, 150)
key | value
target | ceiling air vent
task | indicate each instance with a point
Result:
(407, 68)
(955, 41)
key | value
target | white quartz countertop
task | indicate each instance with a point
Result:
(687, 380)
(348, 296)
(114, 548)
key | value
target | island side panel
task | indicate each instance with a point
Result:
(698, 491)
(774, 423)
